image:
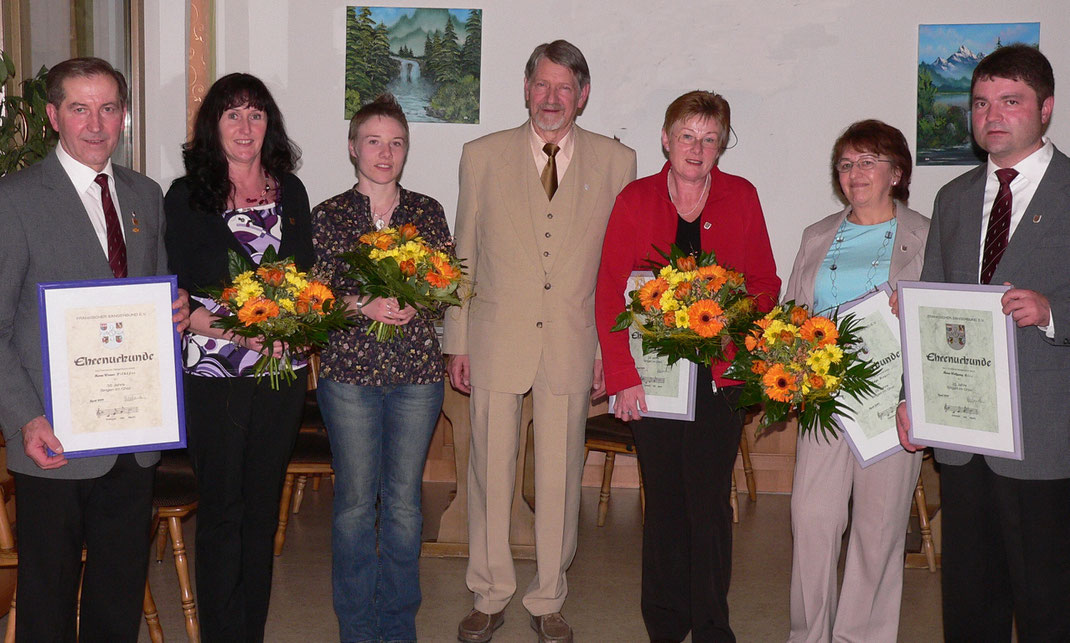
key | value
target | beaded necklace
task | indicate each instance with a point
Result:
(838, 243)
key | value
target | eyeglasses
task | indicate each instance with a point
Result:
(866, 163)
(708, 142)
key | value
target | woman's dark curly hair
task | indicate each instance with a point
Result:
(206, 164)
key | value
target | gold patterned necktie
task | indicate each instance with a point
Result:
(549, 173)
(999, 224)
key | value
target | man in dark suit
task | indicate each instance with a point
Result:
(75, 216)
(1006, 525)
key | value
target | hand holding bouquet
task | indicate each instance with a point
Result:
(277, 303)
(792, 361)
(397, 263)
(693, 309)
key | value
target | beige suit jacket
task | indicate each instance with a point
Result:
(907, 255)
(533, 261)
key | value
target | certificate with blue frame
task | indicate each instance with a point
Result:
(112, 365)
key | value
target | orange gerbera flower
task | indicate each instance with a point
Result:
(799, 315)
(313, 297)
(682, 289)
(408, 232)
(407, 267)
(651, 292)
(257, 310)
(759, 367)
(780, 386)
(705, 317)
(820, 330)
(272, 275)
(444, 268)
(686, 264)
(716, 275)
(437, 280)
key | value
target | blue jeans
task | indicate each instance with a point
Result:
(379, 439)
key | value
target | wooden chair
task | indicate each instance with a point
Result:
(174, 498)
(925, 513)
(748, 473)
(311, 457)
(9, 558)
(611, 436)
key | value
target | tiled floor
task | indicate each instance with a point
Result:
(603, 603)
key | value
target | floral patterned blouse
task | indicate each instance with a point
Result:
(353, 356)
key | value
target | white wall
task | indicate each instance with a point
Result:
(796, 73)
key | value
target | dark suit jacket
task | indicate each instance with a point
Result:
(1037, 258)
(197, 242)
(46, 235)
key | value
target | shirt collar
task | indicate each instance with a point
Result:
(1031, 167)
(564, 145)
(81, 175)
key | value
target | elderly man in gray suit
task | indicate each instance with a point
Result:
(1006, 525)
(75, 216)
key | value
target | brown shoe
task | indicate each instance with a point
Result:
(552, 628)
(479, 627)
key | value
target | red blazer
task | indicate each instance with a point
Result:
(643, 217)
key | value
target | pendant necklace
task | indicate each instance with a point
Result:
(838, 243)
(684, 215)
(379, 218)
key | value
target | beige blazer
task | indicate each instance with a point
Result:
(533, 261)
(909, 251)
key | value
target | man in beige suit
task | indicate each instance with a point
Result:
(532, 211)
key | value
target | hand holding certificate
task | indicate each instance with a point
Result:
(961, 372)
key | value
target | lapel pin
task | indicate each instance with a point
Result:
(1036, 218)
(292, 221)
(586, 187)
(133, 220)
(904, 248)
(706, 226)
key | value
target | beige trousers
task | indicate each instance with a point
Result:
(560, 421)
(827, 476)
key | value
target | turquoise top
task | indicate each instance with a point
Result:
(859, 259)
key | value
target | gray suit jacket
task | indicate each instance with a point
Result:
(46, 235)
(1037, 258)
(907, 251)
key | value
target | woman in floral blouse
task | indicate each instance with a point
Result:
(380, 400)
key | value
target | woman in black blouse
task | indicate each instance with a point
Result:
(238, 194)
(380, 400)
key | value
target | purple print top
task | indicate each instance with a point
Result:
(255, 228)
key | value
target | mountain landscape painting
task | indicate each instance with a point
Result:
(429, 59)
(947, 56)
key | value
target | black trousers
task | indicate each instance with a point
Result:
(111, 515)
(687, 536)
(240, 435)
(1006, 556)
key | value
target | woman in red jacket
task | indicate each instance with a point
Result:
(687, 466)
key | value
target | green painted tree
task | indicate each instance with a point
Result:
(369, 67)
(473, 42)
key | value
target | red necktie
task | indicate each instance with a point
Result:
(999, 224)
(116, 245)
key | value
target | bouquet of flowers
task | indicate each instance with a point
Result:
(792, 361)
(396, 262)
(277, 302)
(693, 309)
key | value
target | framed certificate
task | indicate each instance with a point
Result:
(670, 390)
(960, 368)
(870, 432)
(112, 365)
